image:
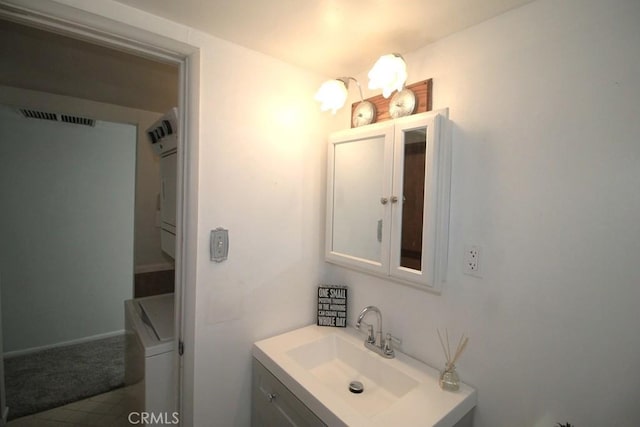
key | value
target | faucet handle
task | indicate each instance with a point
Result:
(388, 344)
(371, 337)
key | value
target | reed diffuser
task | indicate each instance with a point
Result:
(449, 379)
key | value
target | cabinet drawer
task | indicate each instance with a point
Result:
(273, 405)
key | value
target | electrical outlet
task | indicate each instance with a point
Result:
(471, 260)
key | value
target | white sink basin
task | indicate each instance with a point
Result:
(318, 363)
(336, 362)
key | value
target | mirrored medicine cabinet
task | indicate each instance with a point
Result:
(388, 199)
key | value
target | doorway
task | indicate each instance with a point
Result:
(67, 225)
(178, 64)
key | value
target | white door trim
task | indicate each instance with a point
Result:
(93, 27)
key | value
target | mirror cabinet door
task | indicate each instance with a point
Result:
(359, 187)
(412, 242)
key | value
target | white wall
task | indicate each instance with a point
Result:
(147, 253)
(546, 177)
(66, 226)
(261, 176)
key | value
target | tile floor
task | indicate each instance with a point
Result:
(104, 410)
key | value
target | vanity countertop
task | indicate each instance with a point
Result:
(309, 361)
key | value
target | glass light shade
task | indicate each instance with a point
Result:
(332, 95)
(389, 73)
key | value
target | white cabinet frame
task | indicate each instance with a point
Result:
(435, 221)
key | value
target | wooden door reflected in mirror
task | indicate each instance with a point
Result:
(415, 149)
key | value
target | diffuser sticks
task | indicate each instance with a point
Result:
(449, 378)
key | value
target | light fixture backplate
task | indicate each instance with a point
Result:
(402, 103)
(363, 114)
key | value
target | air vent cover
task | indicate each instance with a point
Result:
(44, 115)
(77, 120)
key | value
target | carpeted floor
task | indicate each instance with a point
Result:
(54, 377)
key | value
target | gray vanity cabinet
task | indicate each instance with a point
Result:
(273, 405)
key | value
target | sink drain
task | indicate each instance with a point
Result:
(356, 387)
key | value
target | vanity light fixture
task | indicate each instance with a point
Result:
(333, 94)
(389, 73)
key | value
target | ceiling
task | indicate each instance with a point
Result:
(331, 37)
(39, 60)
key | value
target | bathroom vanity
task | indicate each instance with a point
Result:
(302, 378)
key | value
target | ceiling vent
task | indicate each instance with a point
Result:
(44, 115)
(77, 120)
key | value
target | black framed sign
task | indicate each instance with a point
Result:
(332, 306)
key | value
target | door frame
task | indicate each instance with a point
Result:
(80, 24)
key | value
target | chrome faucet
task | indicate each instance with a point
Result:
(371, 339)
(374, 339)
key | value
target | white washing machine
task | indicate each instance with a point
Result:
(150, 348)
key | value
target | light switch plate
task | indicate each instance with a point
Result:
(219, 244)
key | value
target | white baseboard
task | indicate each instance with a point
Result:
(25, 351)
(150, 268)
